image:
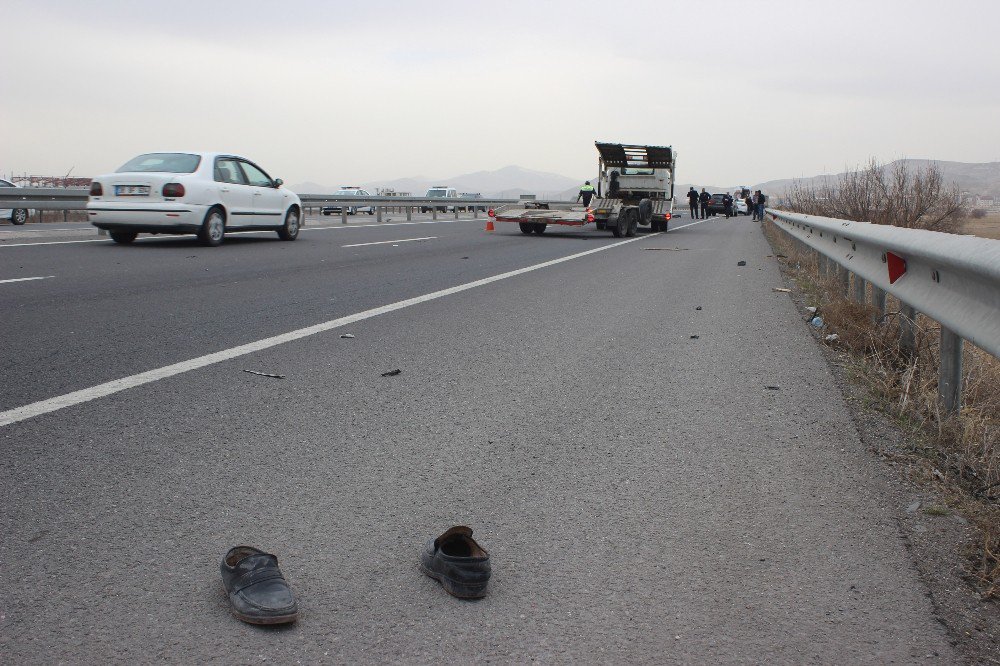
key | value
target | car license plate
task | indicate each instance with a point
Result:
(132, 190)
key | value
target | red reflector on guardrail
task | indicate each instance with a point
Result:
(897, 266)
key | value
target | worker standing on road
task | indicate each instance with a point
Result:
(727, 204)
(704, 198)
(693, 202)
(587, 193)
(753, 205)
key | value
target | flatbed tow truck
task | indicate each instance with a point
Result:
(635, 187)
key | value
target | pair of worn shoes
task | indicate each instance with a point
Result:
(259, 594)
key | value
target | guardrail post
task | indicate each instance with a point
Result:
(378, 214)
(860, 289)
(878, 300)
(950, 374)
(409, 213)
(475, 212)
(455, 208)
(434, 212)
(907, 328)
(343, 214)
(844, 277)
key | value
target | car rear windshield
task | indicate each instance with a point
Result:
(162, 163)
(436, 193)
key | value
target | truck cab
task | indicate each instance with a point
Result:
(639, 177)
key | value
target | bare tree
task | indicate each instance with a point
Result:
(882, 194)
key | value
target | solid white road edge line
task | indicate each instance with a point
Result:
(117, 385)
(44, 277)
(404, 240)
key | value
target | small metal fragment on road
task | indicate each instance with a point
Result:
(772, 387)
(741, 263)
(694, 337)
(670, 249)
(698, 308)
(782, 290)
(392, 373)
(347, 336)
(265, 374)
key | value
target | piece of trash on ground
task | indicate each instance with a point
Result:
(347, 336)
(741, 263)
(265, 374)
(817, 322)
(833, 337)
(698, 308)
(782, 290)
(811, 309)
(392, 373)
(694, 337)
(670, 249)
(772, 387)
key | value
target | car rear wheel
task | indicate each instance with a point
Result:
(290, 231)
(19, 216)
(123, 237)
(213, 229)
(371, 211)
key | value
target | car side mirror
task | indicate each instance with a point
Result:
(278, 182)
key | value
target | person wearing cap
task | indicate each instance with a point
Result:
(693, 202)
(587, 193)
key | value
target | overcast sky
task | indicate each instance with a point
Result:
(335, 92)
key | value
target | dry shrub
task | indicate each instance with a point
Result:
(958, 453)
(883, 194)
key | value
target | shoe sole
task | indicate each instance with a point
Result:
(274, 619)
(455, 589)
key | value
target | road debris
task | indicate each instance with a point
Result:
(782, 290)
(741, 263)
(347, 336)
(817, 322)
(833, 337)
(669, 249)
(695, 337)
(392, 373)
(773, 387)
(265, 374)
(698, 308)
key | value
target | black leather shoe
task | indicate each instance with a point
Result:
(257, 591)
(460, 564)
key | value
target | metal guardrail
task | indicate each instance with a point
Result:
(952, 279)
(75, 198)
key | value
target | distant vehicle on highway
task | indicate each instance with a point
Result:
(740, 206)
(715, 205)
(473, 195)
(16, 216)
(206, 194)
(441, 191)
(349, 191)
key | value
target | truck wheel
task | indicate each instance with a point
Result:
(621, 225)
(526, 227)
(645, 212)
(633, 223)
(540, 228)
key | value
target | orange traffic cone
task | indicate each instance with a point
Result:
(489, 220)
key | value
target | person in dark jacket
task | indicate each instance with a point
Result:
(761, 203)
(704, 198)
(693, 202)
(727, 205)
(587, 193)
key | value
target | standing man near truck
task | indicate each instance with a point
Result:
(693, 202)
(587, 193)
(704, 198)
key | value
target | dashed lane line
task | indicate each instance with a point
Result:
(404, 240)
(27, 279)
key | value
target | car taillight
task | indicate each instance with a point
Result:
(666, 216)
(96, 190)
(173, 190)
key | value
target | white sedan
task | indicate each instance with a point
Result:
(206, 194)
(16, 216)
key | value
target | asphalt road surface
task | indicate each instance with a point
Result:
(645, 496)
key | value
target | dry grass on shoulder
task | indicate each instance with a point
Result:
(960, 454)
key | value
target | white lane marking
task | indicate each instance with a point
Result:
(404, 240)
(117, 385)
(264, 231)
(683, 226)
(44, 277)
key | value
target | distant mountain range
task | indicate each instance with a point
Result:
(513, 181)
(506, 183)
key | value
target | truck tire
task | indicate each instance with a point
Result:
(540, 228)
(645, 212)
(633, 223)
(526, 227)
(621, 224)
